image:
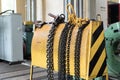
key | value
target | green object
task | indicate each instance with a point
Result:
(112, 36)
(28, 34)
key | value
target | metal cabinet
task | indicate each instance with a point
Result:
(11, 49)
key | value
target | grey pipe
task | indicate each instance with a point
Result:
(33, 10)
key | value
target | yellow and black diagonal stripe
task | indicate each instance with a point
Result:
(98, 55)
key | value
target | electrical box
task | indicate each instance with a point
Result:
(11, 44)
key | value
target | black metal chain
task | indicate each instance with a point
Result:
(50, 43)
(77, 51)
(62, 53)
(77, 55)
(68, 52)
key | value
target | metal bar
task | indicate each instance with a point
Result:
(72, 2)
(33, 11)
(29, 10)
(79, 8)
(65, 2)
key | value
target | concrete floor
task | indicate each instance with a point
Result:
(21, 72)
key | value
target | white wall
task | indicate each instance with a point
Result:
(114, 0)
(92, 8)
(48, 6)
(101, 8)
(39, 9)
(53, 6)
(8, 4)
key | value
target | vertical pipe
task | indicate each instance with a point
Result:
(85, 2)
(43, 10)
(28, 10)
(86, 8)
(33, 10)
(72, 2)
(65, 2)
(30, 7)
(78, 5)
(92, 9)
(79, 8)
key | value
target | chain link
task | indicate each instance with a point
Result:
(50, 43)
(64, 47)
(77, 55)
(68, 52)
(77, 51)
(62, 53)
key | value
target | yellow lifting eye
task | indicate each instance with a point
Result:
(72, 18)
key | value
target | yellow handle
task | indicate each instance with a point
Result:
(72, 16)
(71, 8)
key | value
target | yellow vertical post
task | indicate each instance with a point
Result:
(106, 76)
(31, 72)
